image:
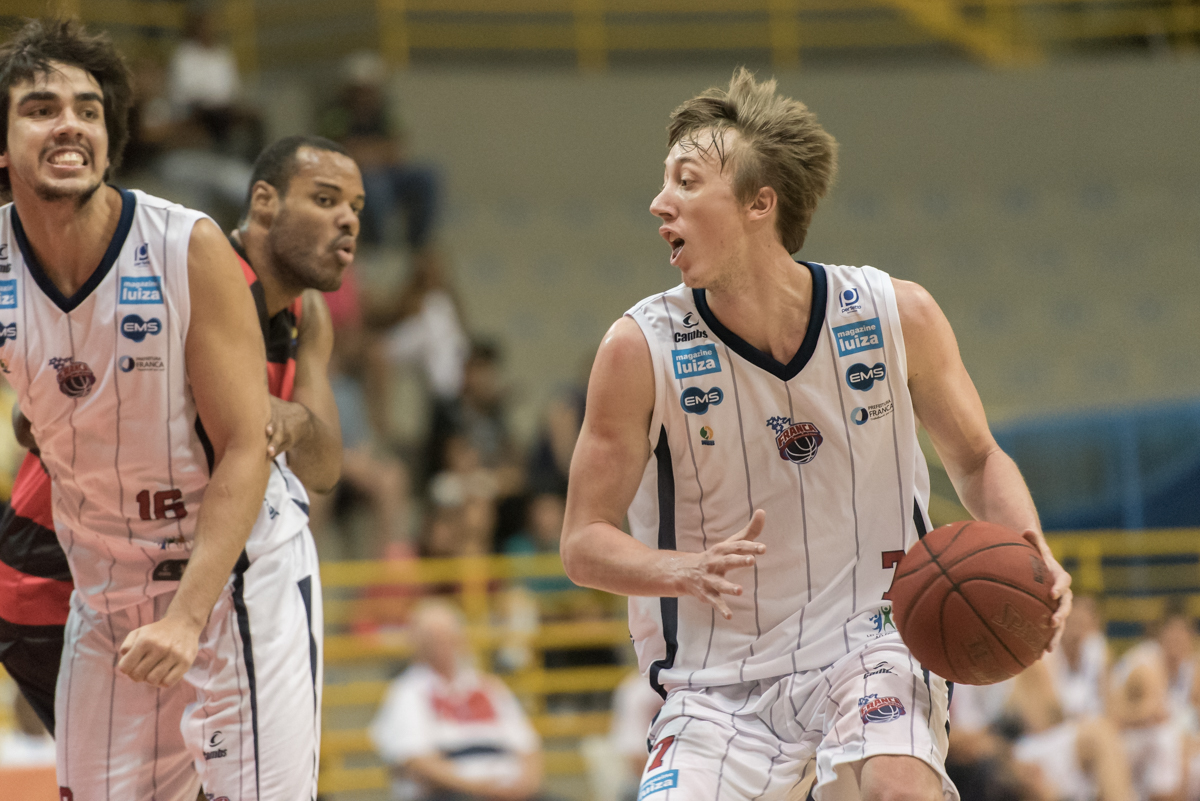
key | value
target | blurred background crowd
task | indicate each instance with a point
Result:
(1033, 164)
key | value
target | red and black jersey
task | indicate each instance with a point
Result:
(35, 582)
(280, 333)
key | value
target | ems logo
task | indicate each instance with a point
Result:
(860, 336)
(699, 360)
(8, 333)
(696, 401)
(873, 709)
(797, 442)
(75, 379)
(663, 781)
(862, 378)
(142, 254)
(139, 290)
(8, 294)
(135, 328)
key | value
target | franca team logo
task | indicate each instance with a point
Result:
(873, 709)
(75, 379)
(797, 442)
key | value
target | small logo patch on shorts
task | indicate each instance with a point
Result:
(663, 781)
(873, 709)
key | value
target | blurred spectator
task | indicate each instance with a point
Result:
(550, 458)
(28, 744)
(204, 87)
(449, 732)
(360, 119)
(635, 704)
(1141, 703)
(1079, 666)
(463, 496)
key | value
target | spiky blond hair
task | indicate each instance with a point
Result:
(779, 144)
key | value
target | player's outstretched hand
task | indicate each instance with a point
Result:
(289, 424)
(1060, 590)
(704, 577)
(159, 653)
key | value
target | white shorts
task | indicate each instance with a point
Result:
(1155, 759)
(754, 740)
(245, 721)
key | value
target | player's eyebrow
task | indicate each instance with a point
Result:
(44, 94)
(328, 185)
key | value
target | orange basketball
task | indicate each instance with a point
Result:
(972, 602)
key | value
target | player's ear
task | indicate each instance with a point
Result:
(264, 203)
(763, 204)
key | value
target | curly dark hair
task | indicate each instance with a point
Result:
(40, 42)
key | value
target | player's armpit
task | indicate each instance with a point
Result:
(307, 427)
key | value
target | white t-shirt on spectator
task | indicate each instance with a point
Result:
(474, 721)
(1081, 690)
(203, 76)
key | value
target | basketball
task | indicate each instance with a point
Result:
(972, 602)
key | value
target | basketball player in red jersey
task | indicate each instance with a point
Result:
(792, 466)
(297, 237)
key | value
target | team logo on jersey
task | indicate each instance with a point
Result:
(141, 363)
(688, 321)
(882, 621)
(688, 336)
(141, 289)
(699, 360)
(4, 250)
(880, 669)
(706, 435)
(663, 781)
(849, 300)
(797, 442)
(860, 336)
(214, 743)
(75, 379)
(862, 378)
(135, 328)
(864, 414)
(141, 256)
(8, 333)
(696, 401)
(873, 709)
(8, 294)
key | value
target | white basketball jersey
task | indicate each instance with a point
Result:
(826, 445)
(101, 376)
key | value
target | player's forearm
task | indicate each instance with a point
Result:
(601, 556)
(231, 505)
(316, 457)
(993, 490)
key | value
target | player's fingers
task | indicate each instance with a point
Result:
(157, 675)
(723, 564)
(723, 587)
(752, 529)
(717, 602)
(130, 640)
(138, 663)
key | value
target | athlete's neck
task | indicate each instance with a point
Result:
(277, 294)
(68, 240)
(767, 303)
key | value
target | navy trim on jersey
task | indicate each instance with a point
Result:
(669, 607)
(243, 617)
(305, 585)
(31, 548)
(765, 361)
(919, 519)
(209, 454)
(128, 204)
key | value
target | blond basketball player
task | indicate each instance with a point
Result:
(757, 424)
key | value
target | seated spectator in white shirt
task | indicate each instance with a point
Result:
(452, 733)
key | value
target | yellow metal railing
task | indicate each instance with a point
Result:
(477, 584)
(993, 32)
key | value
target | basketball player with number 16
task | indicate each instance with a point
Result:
(757, 424)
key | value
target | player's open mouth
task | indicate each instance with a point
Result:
(676, 246)
(67, 158)
(345, 253)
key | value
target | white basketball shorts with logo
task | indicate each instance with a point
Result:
(244, 723)
(754, 740)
